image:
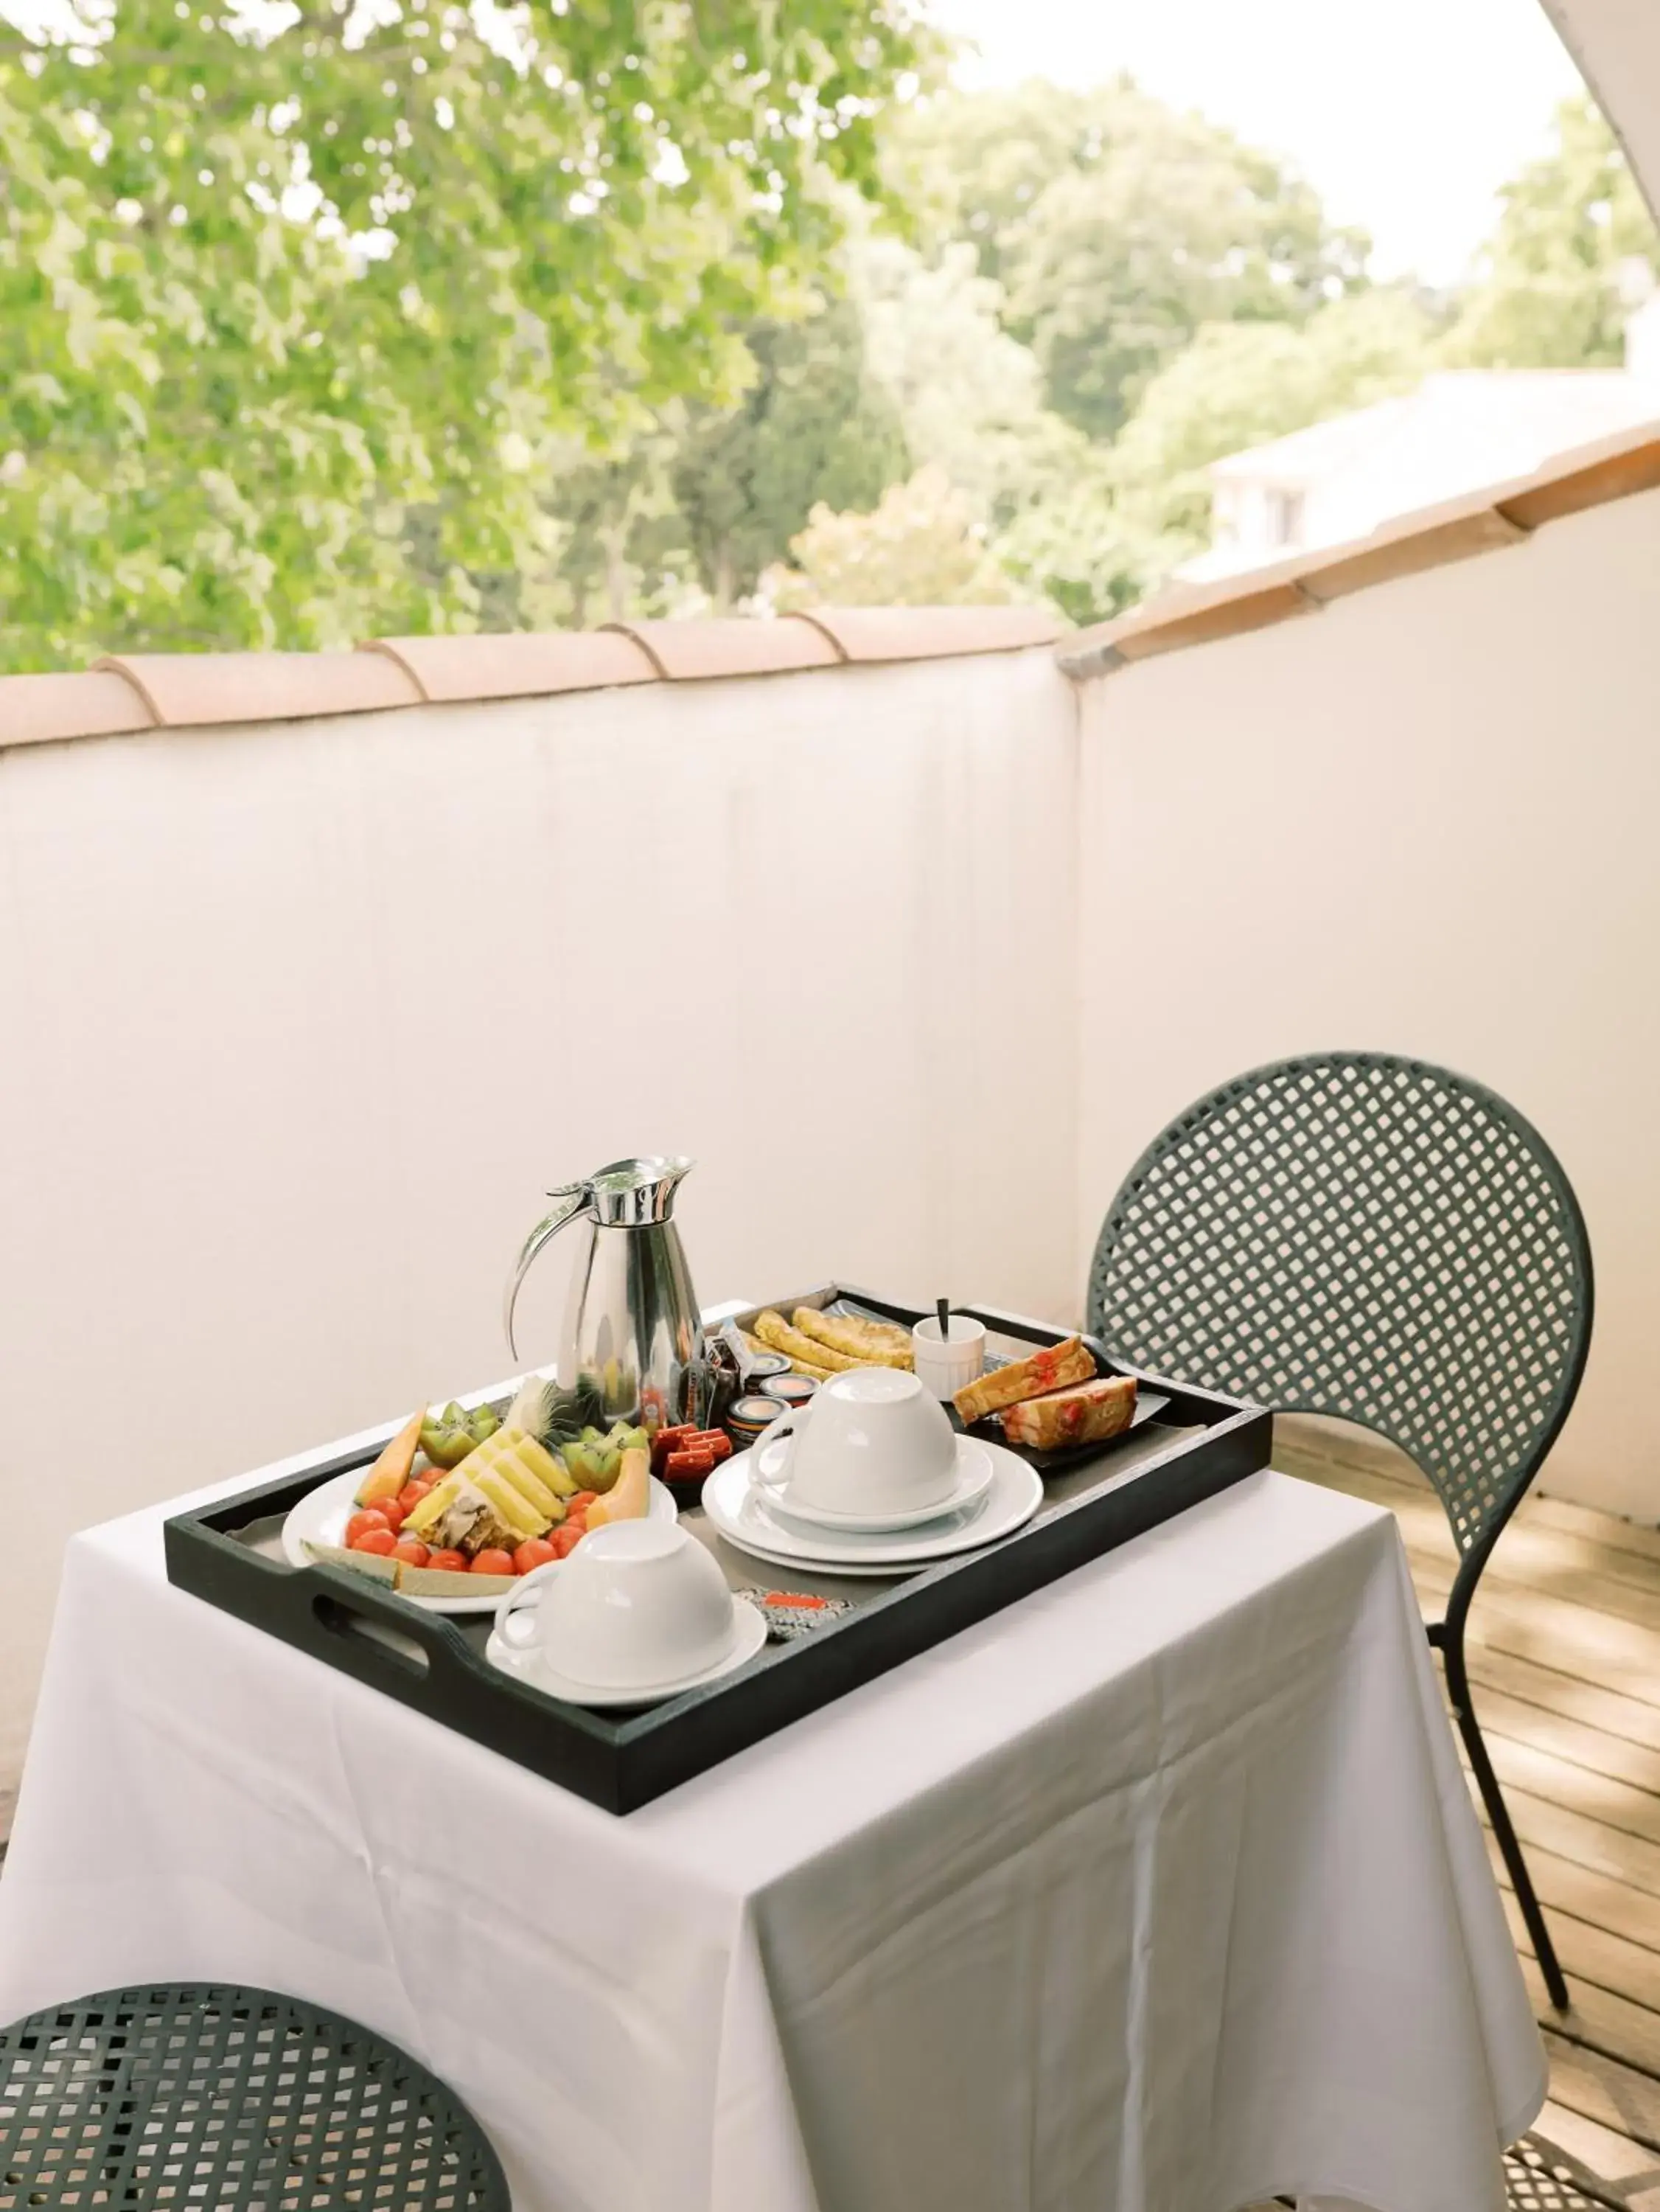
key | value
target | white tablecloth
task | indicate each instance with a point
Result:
(1161, 1891)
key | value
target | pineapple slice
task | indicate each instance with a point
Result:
(500, 1493)
(510, 1505)
(527, 1465)
(432, 1508)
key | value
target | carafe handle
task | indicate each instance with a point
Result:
(581, 1198)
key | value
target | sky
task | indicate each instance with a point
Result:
(1406, 115)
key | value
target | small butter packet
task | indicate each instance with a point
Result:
(790, 1615)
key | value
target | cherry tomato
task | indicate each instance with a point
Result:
(493, 1562)
(411, 1495)
(534, 1552)
(566, 1540)
(381, 1541)
(451, 1562)
(361, 1524)
(412, 1552)
(394, 1513)
(581, 1498)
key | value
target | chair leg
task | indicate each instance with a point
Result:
(1488, 1783)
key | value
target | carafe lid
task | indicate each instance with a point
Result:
(629, 1193)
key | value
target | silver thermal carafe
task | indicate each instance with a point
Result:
(631, 1332)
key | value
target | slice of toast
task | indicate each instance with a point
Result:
(1052, 1368)
(1086, 1414)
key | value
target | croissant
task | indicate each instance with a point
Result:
(871, 1343)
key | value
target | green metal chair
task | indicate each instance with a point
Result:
(1381, 1241)
(226, 2100)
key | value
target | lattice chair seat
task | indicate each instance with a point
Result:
(220, 2100)
(1380, 1240)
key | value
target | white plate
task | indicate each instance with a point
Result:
(322, 1513)
(745, 1517)
(974, 1479)
(748, 1634)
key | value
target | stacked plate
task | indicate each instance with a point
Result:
(749, 1501)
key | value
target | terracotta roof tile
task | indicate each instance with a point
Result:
(871, 633)
(1613, 468)
(1165, 624)
(1589, 482)
(732, 644)
(516, 664)
(191, 690)
(91, 704)
(1425, 542)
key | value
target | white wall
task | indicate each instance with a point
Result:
(1423, 821)
(301, 1020)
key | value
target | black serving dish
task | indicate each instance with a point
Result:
(436, 1664)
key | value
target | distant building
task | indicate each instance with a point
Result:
(1461, 430)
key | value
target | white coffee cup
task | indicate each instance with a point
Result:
(950, 1364)
(637, 1603)
(871, 1440)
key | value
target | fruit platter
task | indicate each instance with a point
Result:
(462, 1503)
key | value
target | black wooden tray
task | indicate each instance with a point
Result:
(436, 1664)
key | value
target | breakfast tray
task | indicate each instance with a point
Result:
(226, 1553)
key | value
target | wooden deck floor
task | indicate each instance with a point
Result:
(1565, 1661)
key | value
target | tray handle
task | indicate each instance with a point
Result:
(340, 1615)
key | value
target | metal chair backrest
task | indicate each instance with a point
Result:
(1372, 1238)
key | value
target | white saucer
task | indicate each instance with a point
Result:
(747, 1518)
(974, 1478)
(322, 1513)
(748, 1634)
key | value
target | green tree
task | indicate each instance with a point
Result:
(968, 396)
(971, 400)
(1554, 291)
(811, 431)
(921, 547)
(292, 326)
(1086, 548)
(622, 544)
(972, 166)
(1119, 227)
